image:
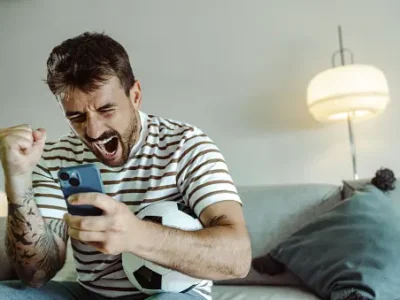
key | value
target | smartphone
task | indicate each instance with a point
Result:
(81, 179)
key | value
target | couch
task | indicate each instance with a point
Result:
(272, 213)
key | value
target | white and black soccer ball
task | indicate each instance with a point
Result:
(149, 277)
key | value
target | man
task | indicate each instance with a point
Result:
(143, 159)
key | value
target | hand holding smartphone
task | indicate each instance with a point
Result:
(81, 179)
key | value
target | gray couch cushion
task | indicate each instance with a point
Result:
(260, 293)
(273, 213)
(353, 247)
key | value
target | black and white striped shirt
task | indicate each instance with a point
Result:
(172, 161)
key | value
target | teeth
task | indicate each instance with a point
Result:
(105, 141)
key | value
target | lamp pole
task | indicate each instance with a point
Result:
(349, 115)
(352, 146)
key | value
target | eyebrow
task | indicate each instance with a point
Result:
(75, 113)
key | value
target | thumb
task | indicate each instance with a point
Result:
(39, 139)
(39, 135)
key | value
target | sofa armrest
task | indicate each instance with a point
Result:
(7, 271)
(3, 204)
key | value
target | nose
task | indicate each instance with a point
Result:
(94, 127)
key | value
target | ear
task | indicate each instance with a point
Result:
(136, 95)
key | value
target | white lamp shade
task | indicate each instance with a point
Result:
(359, 90)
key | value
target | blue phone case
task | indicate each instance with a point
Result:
(81, 179)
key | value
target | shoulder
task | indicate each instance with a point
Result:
(168, 132)
(66, 149)
(66, 143)
(167, 127)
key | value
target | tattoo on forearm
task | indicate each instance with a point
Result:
(21, 238)
(30, 241)
(51, 254)
(14, 214)
(60, 228)
(17, 226)
(216, 220)
(28, 196)
(27, 255)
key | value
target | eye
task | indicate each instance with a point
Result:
(107, 111)
(78, 118)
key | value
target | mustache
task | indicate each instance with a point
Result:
(104, 136)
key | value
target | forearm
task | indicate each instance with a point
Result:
(214, 253)
(30, 243)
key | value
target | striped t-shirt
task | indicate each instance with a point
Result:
(172, 161)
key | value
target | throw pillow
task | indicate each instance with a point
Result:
(384, 179)
(352, 248)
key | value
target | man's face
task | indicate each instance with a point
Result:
(106, 120)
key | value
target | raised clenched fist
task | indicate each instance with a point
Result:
(21, 149)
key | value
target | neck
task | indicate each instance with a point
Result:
(138, 129)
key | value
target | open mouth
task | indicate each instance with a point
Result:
(108, 147)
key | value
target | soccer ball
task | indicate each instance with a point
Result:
(149, 277)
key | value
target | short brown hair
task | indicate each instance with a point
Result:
(86, 61)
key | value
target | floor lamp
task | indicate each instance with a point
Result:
(347, 92)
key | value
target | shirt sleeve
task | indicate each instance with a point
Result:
(47, 193)
(203, 176)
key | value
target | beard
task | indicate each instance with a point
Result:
(115, 152)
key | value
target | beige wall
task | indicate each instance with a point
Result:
(237, 69)
(3, 204)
